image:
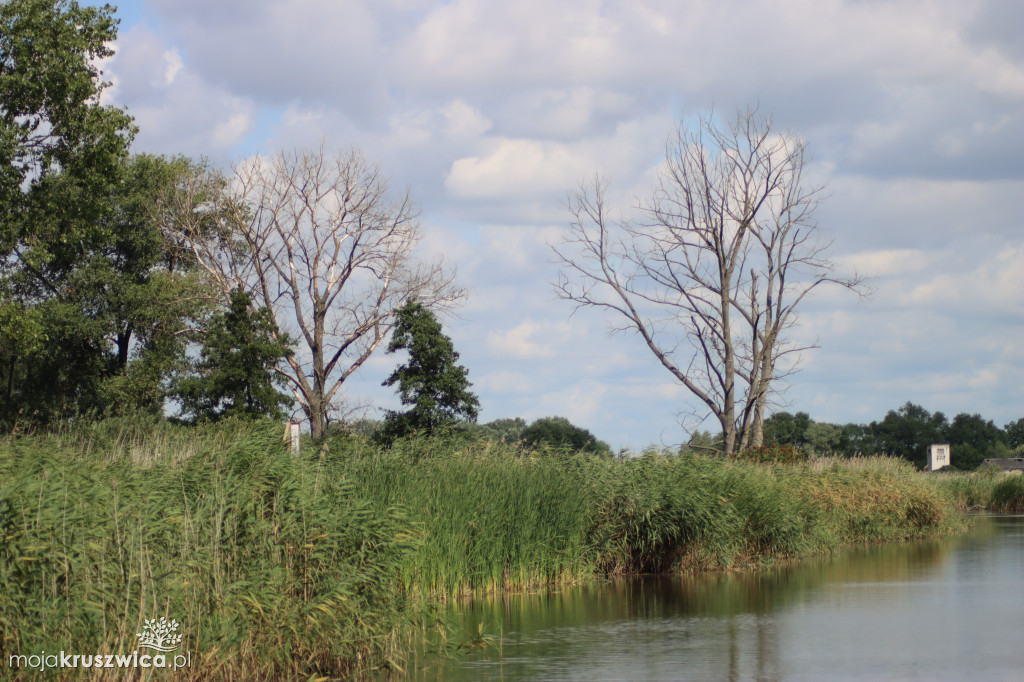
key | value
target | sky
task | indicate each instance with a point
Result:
(489, 113)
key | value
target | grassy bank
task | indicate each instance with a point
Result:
(327, 564)
(985, 489)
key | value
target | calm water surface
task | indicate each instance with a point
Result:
(945, 610)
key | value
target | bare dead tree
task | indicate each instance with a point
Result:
(711, 273)
(322, 243)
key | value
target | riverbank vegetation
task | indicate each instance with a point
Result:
(331, 562)
(988, 489)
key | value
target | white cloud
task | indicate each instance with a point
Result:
(517, 168)
(580, 403)
(465, 120)
(175, 109)
(230, 132)
(173, 67)
(994, 284)
(886, 262)
(652, 389)
(294, 116)
(523, 341)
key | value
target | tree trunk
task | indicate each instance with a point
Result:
(316, 413)
(767, 374)
(12, 365)
(124, 339)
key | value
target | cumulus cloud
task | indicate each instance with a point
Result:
(887, 262)
(176, 110)
(516, 168)
(528, 340)
(993, 285)
(580, 403)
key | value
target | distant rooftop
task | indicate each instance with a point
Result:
(1015, 464)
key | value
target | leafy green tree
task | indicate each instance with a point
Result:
(53, 125)
(149, 299)
(114, 318)
(822, 439)
(1015, 434)
(508, 430)
(235, 374)
(973, 438)
(560, 432)
(783, 428)
(857, 439)
(435, 388)
(909, 431)
(62, 156)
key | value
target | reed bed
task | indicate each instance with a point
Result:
(329, 564)
(1008, 495)
(988, 488)
(495, 518)
(276, 566)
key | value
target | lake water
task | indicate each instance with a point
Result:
(943, 610)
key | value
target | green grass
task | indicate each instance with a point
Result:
(279, 568)
(494, 519)
(977, 490)
(1008, 495)
(329, 564)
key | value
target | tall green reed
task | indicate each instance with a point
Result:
(1008, 494)
(275, 566)
(496, 517)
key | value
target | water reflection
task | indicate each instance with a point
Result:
(934, 610)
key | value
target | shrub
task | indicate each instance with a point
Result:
(776, 454)
(559, 432)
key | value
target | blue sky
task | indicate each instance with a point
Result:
(491, 112)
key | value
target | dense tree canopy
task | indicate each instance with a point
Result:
(1015, 434)
(100, 326)
(62, 167)
(435, 388)
(235, 374)
(974, 439)
(783, 428)
(909, 431)
(52, 125)
(559, 432)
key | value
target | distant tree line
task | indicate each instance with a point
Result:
(556, 434)
(905, 432)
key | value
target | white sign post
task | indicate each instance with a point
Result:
(291, 434)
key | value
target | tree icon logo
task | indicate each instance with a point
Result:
(159, 634)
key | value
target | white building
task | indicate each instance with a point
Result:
(938, 457)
